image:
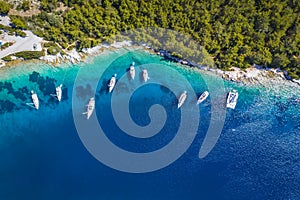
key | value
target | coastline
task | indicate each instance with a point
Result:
(254, 75)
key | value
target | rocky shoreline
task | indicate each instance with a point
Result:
(74, 56)
(252, 75)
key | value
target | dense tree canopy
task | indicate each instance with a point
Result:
(18, 22)
(25, 5)
(235, 32)
(4, 7)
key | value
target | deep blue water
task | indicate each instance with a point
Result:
(42, 157)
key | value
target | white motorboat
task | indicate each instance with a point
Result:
(90, 108)
(232, 99)
(132, 71)
(35, 99)
(202, 97)
(145, 75)
(112, 83)
(182, 99)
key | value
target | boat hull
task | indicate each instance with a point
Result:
(132, 72)
(181, 99)
(35, 100)
(145, 75)
(59, 93)
(90, 108)
(111, 84)
(232, 99)
(202, 98)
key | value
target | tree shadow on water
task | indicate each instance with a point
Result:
(6, 106)
(84, 92)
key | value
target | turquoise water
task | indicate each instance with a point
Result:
(42, 157)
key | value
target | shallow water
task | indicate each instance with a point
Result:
(42, 157)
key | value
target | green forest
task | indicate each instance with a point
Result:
(234, 32)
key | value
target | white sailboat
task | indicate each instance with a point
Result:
(202, 97)
(90, 108)
(58, 92)
(35, 99)
(182, 99)
(112, 83)
(145, 75)
(232, 99)
(132, 71)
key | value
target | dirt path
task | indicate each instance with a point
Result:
(34, 8)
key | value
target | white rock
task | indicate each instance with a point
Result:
(296, 81)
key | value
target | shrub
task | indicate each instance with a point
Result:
(63, 44)
(28, 55)
(20, 33)
(71, 47)
(6, 28)
(293, 75)
(53, 50)
(176, 55)
(4, 7)
(25, 5)
(7, 58)
(18, 22)
(5, 45)
(49, 44)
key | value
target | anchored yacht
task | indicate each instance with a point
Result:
(35, 99)
(145, 75)
(232, 99)
(90, 108)
(132, 71)
(182, 99)
(112, 83)
(202, 97)
(59, 92)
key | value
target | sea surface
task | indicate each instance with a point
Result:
(42, 157)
